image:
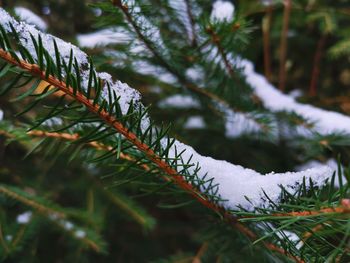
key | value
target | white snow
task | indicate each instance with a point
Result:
(54, 121)
(237, 124)
(235, 182)
(222, 11)
(326, 122)
(68, 225)
(180, 102)
(296, 93)
(30, 17)
(146, 68)
(181, 10)
(123, 90)
(195, 122)
(24, 218)
(266, 2)
(195, 74)
(294, 238)
(80, 234)
(103, 37)
(332, 163)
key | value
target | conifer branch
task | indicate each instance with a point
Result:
(31, 203)
(216, 40)
(188, 85)
(344, 208)
(113, 122)
(56, 216)
(95, 108)
(3, 242)
(115, 199)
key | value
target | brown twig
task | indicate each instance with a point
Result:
(284, 44)
(344, 208)
(200, 253)
(216, 40)
(316, 66)
(266, 25)
(74, 137)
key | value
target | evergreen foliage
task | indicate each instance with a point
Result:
(90, 174)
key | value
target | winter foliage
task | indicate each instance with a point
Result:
(92, 115)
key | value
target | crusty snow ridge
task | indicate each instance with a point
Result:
(236, 183)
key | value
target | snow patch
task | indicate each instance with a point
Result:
(195, 122)
(180, 102)
(332, 163)
(237, 124)
(30, 17)
(103, 38)
(80, 234)
(325, 122)
(24, 218)
(237, 184)
(222, 11)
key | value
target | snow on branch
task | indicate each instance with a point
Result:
(237, 185)
(325, 122)
(31, 18)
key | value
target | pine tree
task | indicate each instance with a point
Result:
(89, 173)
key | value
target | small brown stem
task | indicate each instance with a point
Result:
(344, 208)
(3, 242)
(284, 45)
(266, 25)
(216, 40)
(200, 253)
(316, 67)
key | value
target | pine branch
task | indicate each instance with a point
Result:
(111, 121)
(55, 215)
(71, 86)
(95, 108)
(327, 211)
(182, 79)
(216, 40)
